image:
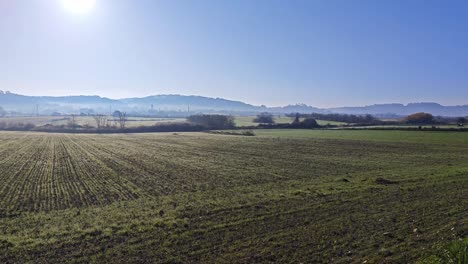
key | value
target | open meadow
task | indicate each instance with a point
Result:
(289, 196)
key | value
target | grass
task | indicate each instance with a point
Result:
(454, 252)
(282, 195)
(422, 137)
(410, 126)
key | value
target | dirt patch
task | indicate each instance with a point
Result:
(385, 181)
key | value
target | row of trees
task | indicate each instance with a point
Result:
(120, 118)
(416, 118)
(102, 121)
(427, 119)
(308, 122)
(268, 119)
(212, 121)
(345, 118)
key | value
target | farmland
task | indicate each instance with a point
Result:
(240, 121)
(294, 196)
(84, 120)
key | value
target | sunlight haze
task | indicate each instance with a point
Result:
(322, 53)
(79, 6)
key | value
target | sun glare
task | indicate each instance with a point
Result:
(79, 6)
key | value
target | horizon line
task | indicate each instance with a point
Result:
(233, 100)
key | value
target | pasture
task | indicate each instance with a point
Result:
(287, 196)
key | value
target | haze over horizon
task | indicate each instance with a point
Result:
(230, 99)
(321, 53)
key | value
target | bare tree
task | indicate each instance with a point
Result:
(2, 112)
(122, 119)
(101, 121)
(87, 125)
(461, 121)
(72, 121)
(297, 119)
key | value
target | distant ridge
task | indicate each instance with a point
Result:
(190, 103)
(403, 110)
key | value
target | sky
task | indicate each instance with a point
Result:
(273, 52)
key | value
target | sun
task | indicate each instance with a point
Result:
(80, 7)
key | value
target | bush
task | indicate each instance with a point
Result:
(248, 133)
(16, 126)
(212, 121)
(419, 118)
(264, 118)
(309, 123)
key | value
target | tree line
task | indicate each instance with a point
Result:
(117, 123)
(422, 118)
(266, 120)
(345, 118)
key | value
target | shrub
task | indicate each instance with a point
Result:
(212, 121)
(309, 123)
(419, 118)
(306, 123)
(461, 121)
(16, 126)
(264, 118)
(248, 133)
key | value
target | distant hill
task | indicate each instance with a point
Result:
(403, 110)
(191, 104)
(195, 103)
(73, 104)
(298, 108)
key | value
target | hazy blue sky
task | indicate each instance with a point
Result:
(323, 53)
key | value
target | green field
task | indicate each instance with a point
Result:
(397, 136)
(287, 196)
